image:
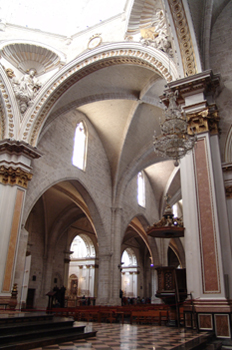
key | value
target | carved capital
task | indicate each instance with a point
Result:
(10, 176)
(206, 120)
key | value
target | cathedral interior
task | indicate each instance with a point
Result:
(88, 165)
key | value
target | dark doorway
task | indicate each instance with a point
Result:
(30, 298)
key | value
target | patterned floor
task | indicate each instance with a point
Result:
(129, 337)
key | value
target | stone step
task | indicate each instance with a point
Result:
(18, 335)
(27, 344)
(197, 343)
(16, 327)
(21, 317)
(24, 332)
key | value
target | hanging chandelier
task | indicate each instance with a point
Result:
(175, 141)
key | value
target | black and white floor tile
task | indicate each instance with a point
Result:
(128, 337)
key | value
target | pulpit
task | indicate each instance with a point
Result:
(172, 290)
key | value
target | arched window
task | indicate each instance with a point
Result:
(141, 189)
(79, 149)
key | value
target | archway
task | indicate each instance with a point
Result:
(82, 265)
(129, 272)
(57, 217)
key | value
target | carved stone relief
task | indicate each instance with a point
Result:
(25, 89)
(157, 34)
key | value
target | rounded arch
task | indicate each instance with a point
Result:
(104, 56)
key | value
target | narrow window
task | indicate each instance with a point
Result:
(141, 189)
(79, 149)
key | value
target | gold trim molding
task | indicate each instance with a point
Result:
(184, 37)
(11, 176)
(81, 70)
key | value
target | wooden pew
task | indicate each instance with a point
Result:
(149, 316)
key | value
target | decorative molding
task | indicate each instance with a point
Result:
(19, 148)
(81, 70)
(184, 37)
(94, 41)
(6, 109)
(10, 176)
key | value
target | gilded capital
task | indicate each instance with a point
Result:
(206, 120)
(11, 176)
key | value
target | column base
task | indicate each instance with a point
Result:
(209, 315)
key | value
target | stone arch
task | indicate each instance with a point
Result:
(90, 249)
(90, 210)
(176, 245)
(104, 56)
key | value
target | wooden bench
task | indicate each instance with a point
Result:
(149, 316)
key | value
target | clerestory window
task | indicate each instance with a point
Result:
(141, 189)
(79, 148)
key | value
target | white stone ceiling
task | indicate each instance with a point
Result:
(59, 17)
(122, 104)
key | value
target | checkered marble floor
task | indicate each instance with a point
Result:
(128, 337)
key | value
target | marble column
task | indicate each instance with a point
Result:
(204, 207)
(15, 173)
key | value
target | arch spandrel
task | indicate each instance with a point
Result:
(125, 53)
(9, 111)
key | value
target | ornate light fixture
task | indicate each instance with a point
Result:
(175, 141)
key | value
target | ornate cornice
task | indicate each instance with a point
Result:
(77, 72)
(184, 37)
(10, 176)
(19, 148)
(205, 81)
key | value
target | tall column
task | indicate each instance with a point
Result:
(115, 276)
(203, 203)
(67, 259)
(109, 281)
(15, 172)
